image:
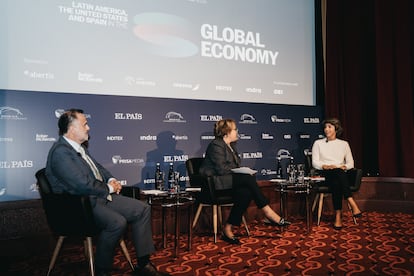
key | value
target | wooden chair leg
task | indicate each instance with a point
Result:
(215, 222)
(55, 253)
(321, 196)
(89, 249)
(126, 253)
(219, 216)
(314, 202)
(246, 226)
(197, 215)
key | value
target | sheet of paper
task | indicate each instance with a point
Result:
(245, 170)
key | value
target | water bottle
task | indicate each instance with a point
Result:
(159, 179)
(278, 168)
(171, 177)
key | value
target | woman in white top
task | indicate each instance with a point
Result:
(334, 157)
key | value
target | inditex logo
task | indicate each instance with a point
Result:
(308, 120)
(247, 119)
(114, 138)
(117, 159)
(226, 88)
(174, 117)
(252, 155)
(127, 116)
(211, 118)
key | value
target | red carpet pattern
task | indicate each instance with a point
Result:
(381, 244)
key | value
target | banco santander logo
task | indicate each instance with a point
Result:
(164, 34)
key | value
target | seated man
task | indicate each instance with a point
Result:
(71, 170)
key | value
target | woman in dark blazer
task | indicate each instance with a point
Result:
(221, 157)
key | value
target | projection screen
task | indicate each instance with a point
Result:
(241, 51)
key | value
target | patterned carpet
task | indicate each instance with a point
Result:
(381, 244)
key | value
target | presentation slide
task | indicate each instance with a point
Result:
(235, 50)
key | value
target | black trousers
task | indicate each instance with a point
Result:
(245, 189)
(338, 183)
(112, 217)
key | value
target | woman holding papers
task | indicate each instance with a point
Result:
(220, 161)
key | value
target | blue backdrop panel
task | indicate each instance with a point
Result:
(129, 135)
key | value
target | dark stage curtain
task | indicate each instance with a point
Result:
(369, 67)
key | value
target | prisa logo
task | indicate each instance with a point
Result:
(116, 159)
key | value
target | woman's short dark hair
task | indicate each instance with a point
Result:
(67, 118)
(336, 123)
(223, 127)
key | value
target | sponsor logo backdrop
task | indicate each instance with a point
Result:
(129, 135)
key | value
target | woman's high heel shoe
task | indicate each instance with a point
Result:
(282, 222)
(359, 215)
(232, 240)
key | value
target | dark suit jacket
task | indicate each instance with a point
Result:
(68, 172)
(219, 159)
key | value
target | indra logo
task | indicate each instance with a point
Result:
(247, 119)
(11, 113)
(174, 117)
(164, 34)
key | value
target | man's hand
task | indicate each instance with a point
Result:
(116, 185)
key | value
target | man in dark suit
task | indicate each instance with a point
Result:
(70, 169)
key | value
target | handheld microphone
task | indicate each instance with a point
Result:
(326, 141)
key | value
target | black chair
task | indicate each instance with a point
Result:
(209, 196)
(322, 189)
(70, 215)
